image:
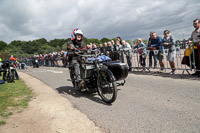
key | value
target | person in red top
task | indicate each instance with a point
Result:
(14, 60)
(151, 53)
(42, 59)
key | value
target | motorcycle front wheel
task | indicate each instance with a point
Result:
(107, 88)
(72, 76)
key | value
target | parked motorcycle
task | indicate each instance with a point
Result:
(9, 69)
(99, 75)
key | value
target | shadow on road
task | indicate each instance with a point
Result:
(77, 94)
(176, 76)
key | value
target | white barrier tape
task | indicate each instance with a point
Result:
(155, 52)
(166, 51)
(148, 52)
(178, 50)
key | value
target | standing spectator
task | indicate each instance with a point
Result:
(169, 43)
(112, 42)
(119, 39)
(102, 49)
(94, 46)
(156, 43)
(141, 47)
(89, 46)
(0, 64)
(195, 39)
(56, 59)
(116, 51)
(41, 60)
(109, 49)
(105, 45)
(151, 53)
(64, 58)
(46, 60)
(126, 48)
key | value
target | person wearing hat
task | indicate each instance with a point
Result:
(168, 42)
(142, 49)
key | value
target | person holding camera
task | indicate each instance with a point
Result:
(142, 50)
(126, 48)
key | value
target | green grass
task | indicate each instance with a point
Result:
(13, 97)
(2, 122)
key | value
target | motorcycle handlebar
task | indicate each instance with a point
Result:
(81, 52)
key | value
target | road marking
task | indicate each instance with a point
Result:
(53, 71)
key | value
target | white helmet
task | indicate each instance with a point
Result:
(78, 32)
(75, 32)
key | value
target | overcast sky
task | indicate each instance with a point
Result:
(130, 19)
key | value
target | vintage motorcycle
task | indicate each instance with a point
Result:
(99, 75)
(35, 62)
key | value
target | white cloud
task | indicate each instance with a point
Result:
(27, 20)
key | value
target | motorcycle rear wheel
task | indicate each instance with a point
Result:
(10, 76)
(107, 88)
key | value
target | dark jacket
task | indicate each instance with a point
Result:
(157, 43)
(72, 46)
(171, 43)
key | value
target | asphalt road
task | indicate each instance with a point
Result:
(148, 103)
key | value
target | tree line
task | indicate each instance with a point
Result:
(19, 48)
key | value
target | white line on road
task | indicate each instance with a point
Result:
(53, 71)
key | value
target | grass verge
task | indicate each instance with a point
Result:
(13, 97)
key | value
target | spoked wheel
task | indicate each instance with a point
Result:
(72, 76)
(107, 87)
(10, 76)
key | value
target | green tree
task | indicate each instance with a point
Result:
(4, 55)
(105, 40)
(145, 42)
(3, 45)
(57, 42)
(93, 40)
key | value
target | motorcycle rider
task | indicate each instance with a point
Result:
(76, 43)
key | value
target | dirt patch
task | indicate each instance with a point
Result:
(48, 112)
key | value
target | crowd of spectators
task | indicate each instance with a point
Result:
(118, 48)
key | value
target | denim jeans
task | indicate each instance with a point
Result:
(151, 54)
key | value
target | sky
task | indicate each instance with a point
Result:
(129, 19)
